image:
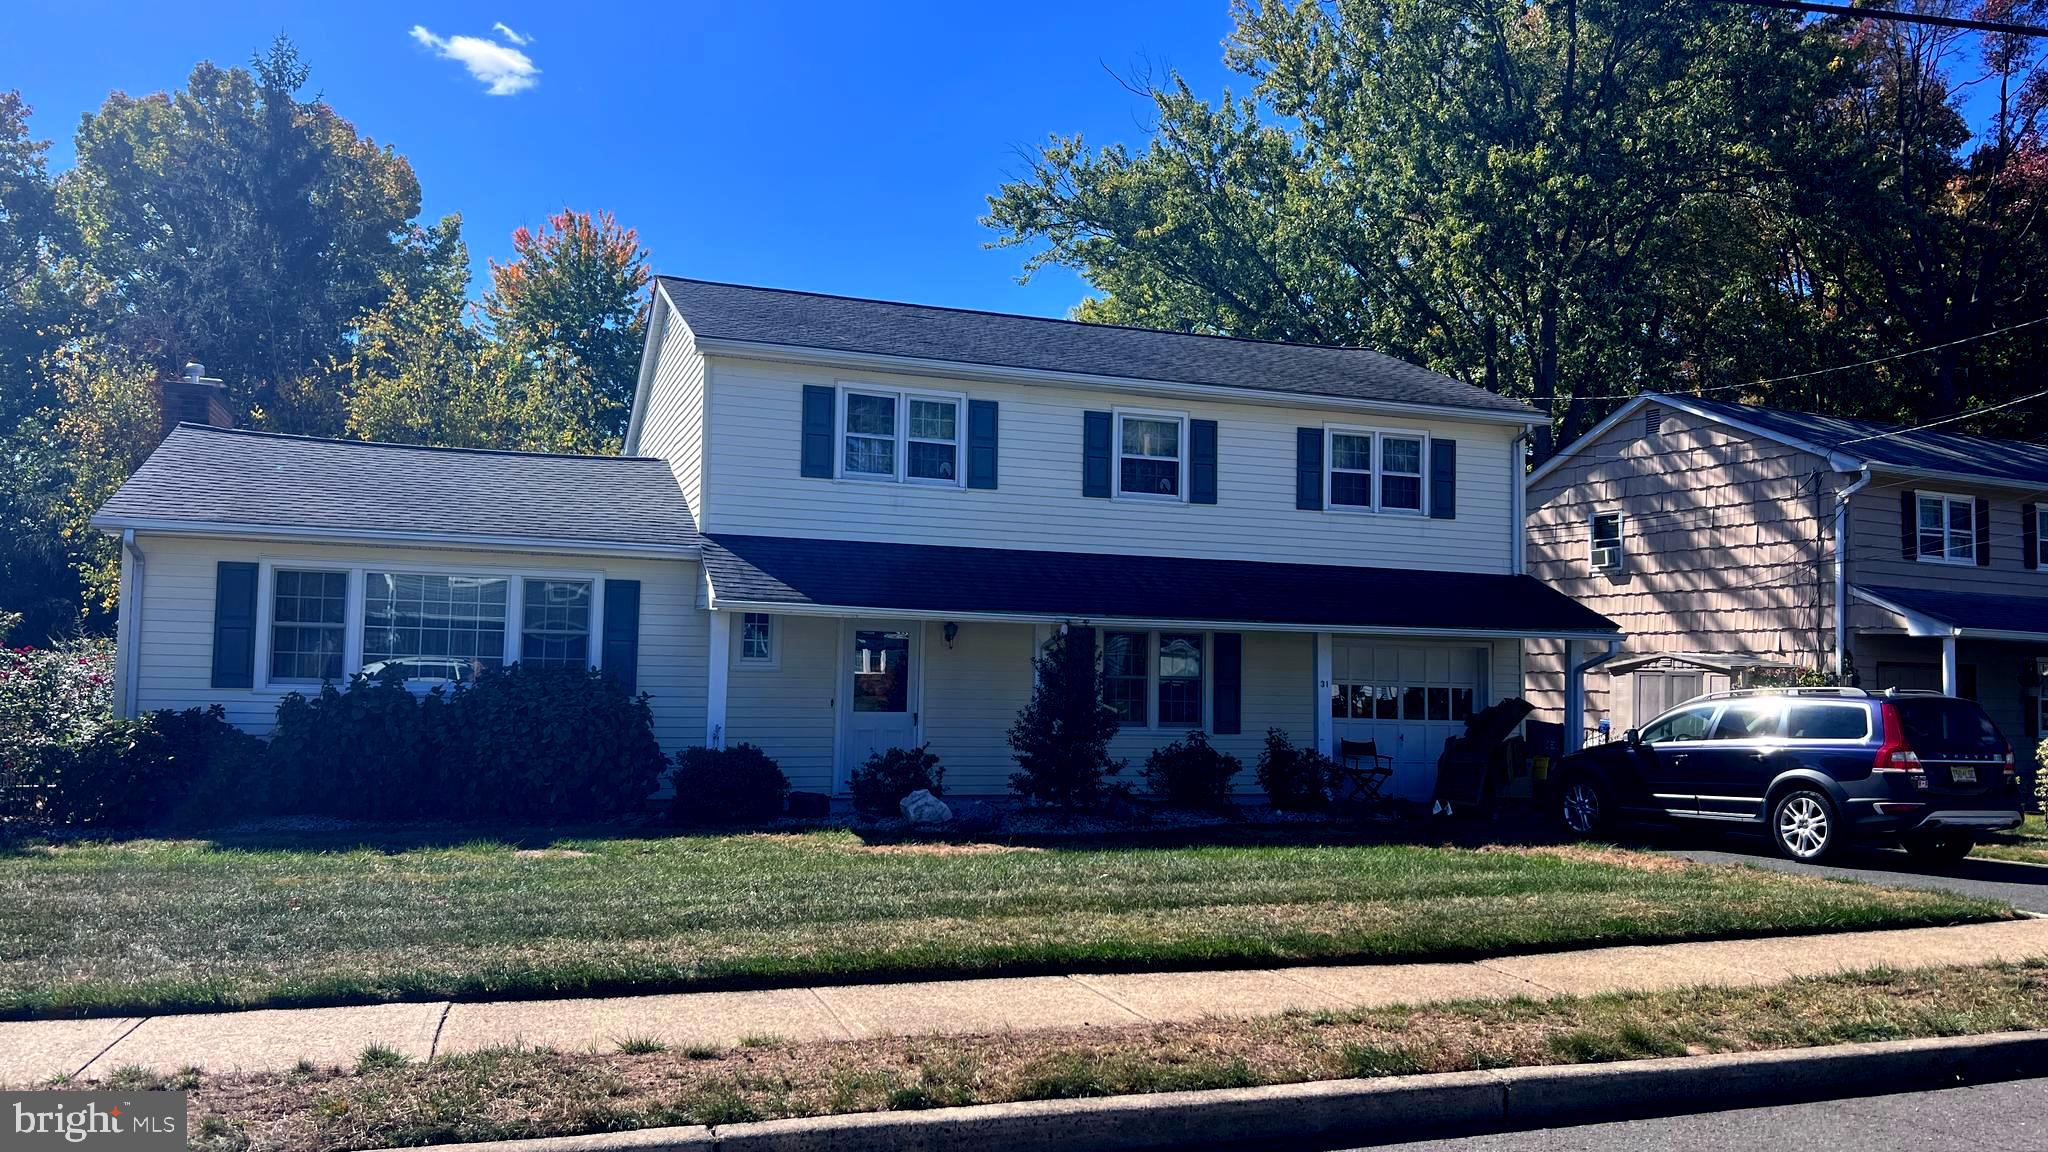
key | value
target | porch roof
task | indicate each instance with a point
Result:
(1931, 612)
(784, 574)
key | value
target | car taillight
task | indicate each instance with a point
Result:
(1895, 755)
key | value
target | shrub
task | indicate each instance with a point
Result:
(134, 772)
(529, 742)
(736, 785)
(2041, 775)
(1061, 737)
(1191, 773)
(50, 698)
(1294, 779)
(880, 785)
(354, 752)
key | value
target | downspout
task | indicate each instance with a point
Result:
(131, 628)
(1575, 692)
(1842, 571)
(1518, 501)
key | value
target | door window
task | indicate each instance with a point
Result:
(1688, 724)
(881, 671)
(1755, 720)
(1827, 722)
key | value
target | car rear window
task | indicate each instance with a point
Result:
(1945, 724)
(1827, 722)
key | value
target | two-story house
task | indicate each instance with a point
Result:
(1727, 538)
(844, 525)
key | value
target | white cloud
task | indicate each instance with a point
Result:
(504, 70)
(506, 33)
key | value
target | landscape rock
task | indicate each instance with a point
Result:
(921, 807)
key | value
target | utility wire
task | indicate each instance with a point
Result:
(1943, 420)
(1897, 16)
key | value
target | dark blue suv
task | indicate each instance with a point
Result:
(1814, 767)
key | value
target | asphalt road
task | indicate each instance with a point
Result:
(1992, 1118)
(2024, 886)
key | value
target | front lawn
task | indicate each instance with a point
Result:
(515, 1093)
(169, 925)
(2028, 843)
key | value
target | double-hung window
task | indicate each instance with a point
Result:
(1373, 470)
(1180, 679)
(900, 436)
(308, 624)
(557, 627)
(1126, 687)
(1155, 679)
(1948, 528)
(757, 638)
(2041, 537)
(1151, 457)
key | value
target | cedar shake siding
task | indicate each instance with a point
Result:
(1726, 540)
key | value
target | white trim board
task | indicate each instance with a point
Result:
(279, 532)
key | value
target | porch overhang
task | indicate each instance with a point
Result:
(1966, 615)
(919, 581)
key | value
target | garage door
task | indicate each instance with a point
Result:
(1408, 699)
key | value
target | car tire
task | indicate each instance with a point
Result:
(1804, 825)
(1582, 806)
(1940, 847)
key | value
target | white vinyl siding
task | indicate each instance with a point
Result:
(176, 632)
(672, 429)
(753, 485)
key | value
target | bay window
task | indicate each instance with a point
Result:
(900, 436)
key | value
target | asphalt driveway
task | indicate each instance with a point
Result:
(2024, 886)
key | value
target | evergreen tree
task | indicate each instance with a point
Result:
(1061, 737)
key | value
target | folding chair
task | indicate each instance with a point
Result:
(1363, 773)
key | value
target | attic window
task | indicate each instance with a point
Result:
(1653, 421)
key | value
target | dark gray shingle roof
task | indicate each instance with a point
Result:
(204, 476)
(880, 327)
(861, 574)
(1932, 451)
(1971, 611)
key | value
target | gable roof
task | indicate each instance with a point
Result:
(746, 315)
(1850, 444)
(224, 481)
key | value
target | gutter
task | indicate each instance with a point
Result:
(1842, 570)
(128, 649)
(1575, 694)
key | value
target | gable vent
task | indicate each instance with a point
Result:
(1653, 421)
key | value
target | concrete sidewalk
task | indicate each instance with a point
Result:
(34, 1051)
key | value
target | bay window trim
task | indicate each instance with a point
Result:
(900, 434)
(1376, 476)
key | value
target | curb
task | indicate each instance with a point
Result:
(1328, 1113)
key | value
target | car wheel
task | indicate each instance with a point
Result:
(1582, 806)
(1803, 825)
(1940, 847)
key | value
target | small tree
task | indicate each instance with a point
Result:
(1061, 738)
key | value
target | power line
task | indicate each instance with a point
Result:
(1943, 420)
(1896, 16)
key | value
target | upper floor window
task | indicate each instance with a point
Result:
(899, 436)
(1151, 463)
(2041, 536)
(1948, 528)
(1372, 470)
(1606, 555)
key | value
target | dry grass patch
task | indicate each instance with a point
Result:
(2027, 844)
(511, 1093)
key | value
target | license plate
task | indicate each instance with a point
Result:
(1962, 773)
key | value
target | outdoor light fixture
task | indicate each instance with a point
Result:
(952, 630)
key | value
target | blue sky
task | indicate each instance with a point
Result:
(828, 146)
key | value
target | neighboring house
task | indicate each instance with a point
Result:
(844, 525)
(1710, 532)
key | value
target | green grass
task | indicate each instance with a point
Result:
(187, 925)
(2028, 843)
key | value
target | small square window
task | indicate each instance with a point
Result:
(757, 638)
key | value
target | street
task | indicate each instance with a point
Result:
(1996, 1117)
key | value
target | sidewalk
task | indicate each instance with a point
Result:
(273, 1040)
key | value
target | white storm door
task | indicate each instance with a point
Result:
(881, 689)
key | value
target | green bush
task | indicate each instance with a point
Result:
(1294, 779)
(134, 772)
(880, 785)
(541, 743)
(1061, 737)
(724, 786)
(1191, 773)
(50, 698)
(353, 752)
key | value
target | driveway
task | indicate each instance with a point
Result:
(2024, 886)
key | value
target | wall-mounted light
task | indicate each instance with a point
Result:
(952, 630)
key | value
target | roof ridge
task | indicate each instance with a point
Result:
(954, 308)
(258, 433)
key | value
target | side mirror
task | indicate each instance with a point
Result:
(1633, 738)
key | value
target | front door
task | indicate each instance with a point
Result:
(881, 690)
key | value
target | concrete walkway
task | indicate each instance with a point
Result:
(34, 1051)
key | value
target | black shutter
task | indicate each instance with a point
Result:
(1308, 468)
(1909, 525)
(622, 632)
(1080, 648)
(820, 403)
(234, 625)
(2030, 535)
(1202, 461)
(1443, 479)
(1983, 519)
(1227, 704)
(1095, 462)
(981, 443)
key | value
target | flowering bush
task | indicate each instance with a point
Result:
(51, 697)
